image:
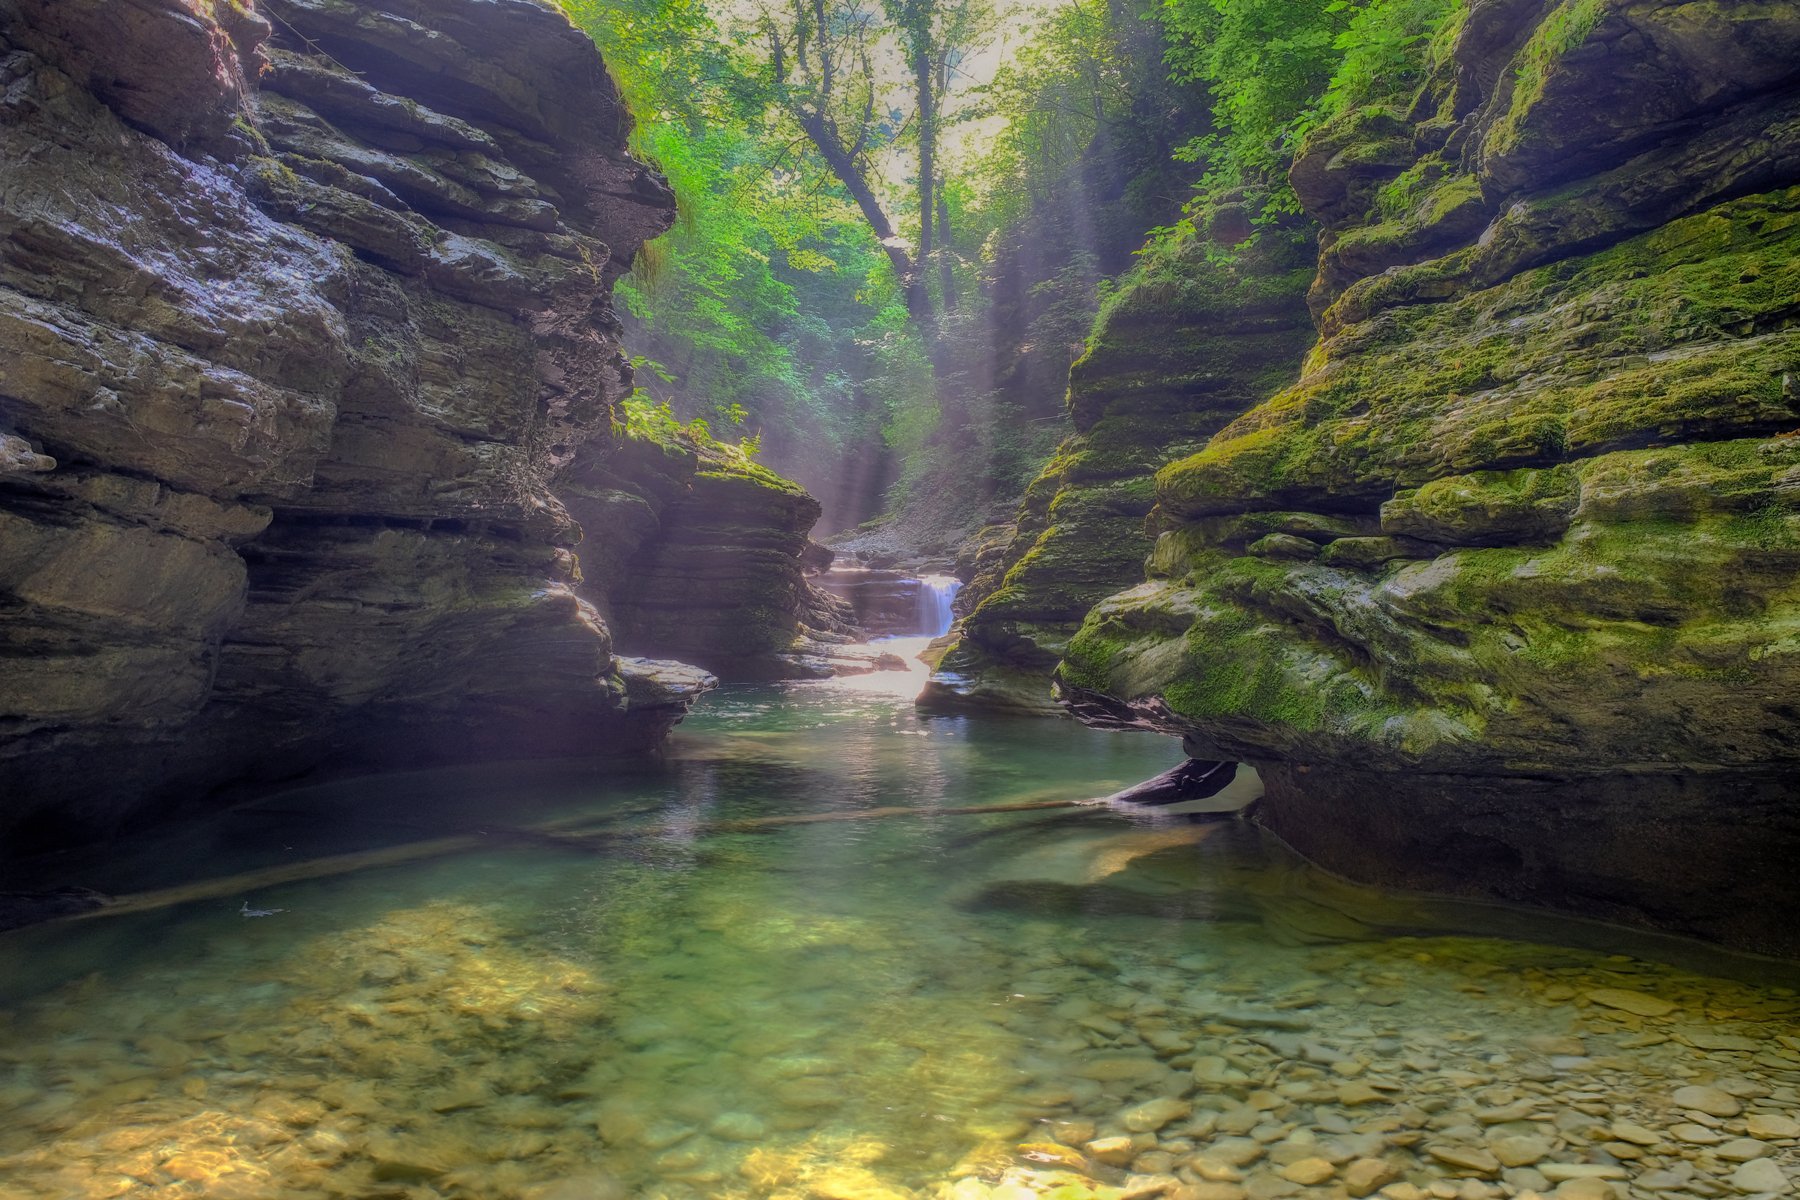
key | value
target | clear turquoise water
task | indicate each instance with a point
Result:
(600, 992)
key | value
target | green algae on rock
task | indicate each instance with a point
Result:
(1536, 634)
(1191, 339)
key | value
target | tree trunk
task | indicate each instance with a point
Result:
(927, 147)
(843, 165)
(946, 273)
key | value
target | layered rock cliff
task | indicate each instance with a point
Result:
(304, 307)
(696, 553)
(1501, 596)
(1188, 343)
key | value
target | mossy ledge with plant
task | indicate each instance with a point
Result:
(1502, 593)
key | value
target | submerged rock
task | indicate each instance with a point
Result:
(1637, 1003)
(1761, 1176)
(1712, 1101)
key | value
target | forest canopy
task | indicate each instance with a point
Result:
(899, 217)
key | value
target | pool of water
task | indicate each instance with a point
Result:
(565, 982)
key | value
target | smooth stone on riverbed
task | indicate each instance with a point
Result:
(1142, 1187)
(1211, 1068)
(1761, 1176)
(1638, 1003)
(1308, 1171)
(738, 1127)
(1269, 1187)
(1522, 1110)
(1519, 1151)
(1113, 1151)
(1667, 1180)
(1054, 1155)
(1261, 1019)
(850, 1183)
(1233, 1151)
(1466, 1158)
(1117, 1068)
(1152, 1115)
(1524, 1179)
(1706, 1039)
(1585, 1188)
(1214, 1171)
(1367, 1175)
(1771, 1125)
(1637, 1135)
(661, 1135)
(1563, 1172)
(1743, 1149)
(1210, 1191)
(1709, 1100)
(1556, 1045)
(1693, 1134)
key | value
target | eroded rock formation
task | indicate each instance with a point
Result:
(1501, 596)
(1184, 347)
(303, 309)
(695, 552)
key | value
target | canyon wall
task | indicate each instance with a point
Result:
(1502, 595)
(304, 313)
(1190, 341)
(697, 553)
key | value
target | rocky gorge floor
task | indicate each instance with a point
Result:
(737, 1041)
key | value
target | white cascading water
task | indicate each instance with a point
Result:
(935, 595)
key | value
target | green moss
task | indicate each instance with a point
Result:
(1414, 212)
(1567, 27)
(1190, 338)
(1640, 343)
(1240, 664)
(1486, 507)
(1774, 526)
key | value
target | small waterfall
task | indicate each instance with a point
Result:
(935, 594)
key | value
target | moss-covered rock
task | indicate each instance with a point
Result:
(1554, 403)
(695, 552)
(1193, 337)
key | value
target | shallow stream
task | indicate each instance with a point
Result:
(603, 985)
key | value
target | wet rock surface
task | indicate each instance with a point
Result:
(301, 316)
(885, 601)
(1498, 594)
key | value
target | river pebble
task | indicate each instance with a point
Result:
(1714, 1102)
(1761, 1176)
(1771, 1125)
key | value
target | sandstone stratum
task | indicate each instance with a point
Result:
(305, 327)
